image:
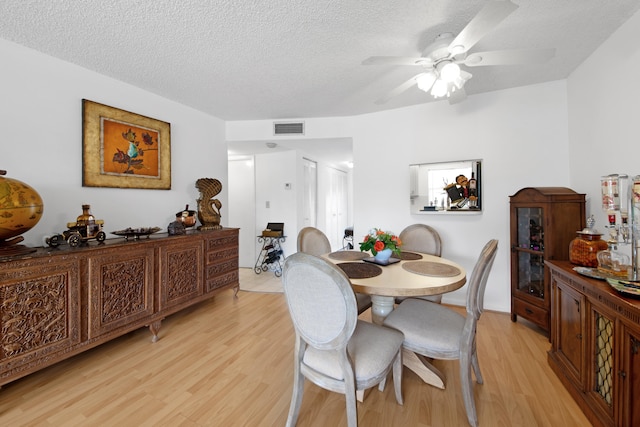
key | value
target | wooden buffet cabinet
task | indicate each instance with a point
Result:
(55, 303)
(595, 343)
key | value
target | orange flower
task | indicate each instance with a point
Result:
(378, 240)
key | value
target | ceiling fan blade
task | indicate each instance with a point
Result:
(509, 57)
(396, 60)
(398, 90)
(491, 15)
(458, 95)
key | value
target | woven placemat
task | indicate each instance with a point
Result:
(428, 268)
(348, 255)
(359, 270)
(409, 256)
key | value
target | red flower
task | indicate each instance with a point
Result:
(378, 246)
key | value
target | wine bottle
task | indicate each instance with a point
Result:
(473, 191)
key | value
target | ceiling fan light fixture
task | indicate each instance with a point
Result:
(449, 71)
(425, 81)
(440, 88)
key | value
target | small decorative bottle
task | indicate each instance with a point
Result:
(610, 195)
(613, 262)
(86, 218)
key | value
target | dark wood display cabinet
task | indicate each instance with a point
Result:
(544, 220)
(595, 346)
(58, 302)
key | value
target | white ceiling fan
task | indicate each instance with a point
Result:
(442, 75)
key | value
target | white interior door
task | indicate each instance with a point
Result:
(310, 198)
(337, 207)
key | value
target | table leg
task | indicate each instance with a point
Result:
(381, 306)
(423, 368)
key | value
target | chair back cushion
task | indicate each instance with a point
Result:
(421, 238)
(479, 276)
(313, 241)
(320, 299)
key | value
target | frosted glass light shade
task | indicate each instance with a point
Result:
(440, 88)
(425, 81)
(450, 71)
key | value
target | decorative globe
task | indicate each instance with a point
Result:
(21, 208)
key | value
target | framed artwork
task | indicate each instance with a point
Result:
(121, 149)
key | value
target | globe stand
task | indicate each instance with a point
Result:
(10, 247)
(9, 242)
(20, 210)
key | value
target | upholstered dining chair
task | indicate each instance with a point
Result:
(314, 242)
(333, 349)
(421, 238)
(437, 332)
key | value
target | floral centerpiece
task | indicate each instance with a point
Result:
(378, 240)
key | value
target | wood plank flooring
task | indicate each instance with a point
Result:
(229, 362)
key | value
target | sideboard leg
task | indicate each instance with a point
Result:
(155, 328)
(235, 291)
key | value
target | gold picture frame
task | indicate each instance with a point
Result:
(121, 149)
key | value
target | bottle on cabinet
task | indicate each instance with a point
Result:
(85, 218)
(536, 236)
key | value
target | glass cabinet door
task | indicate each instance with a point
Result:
(530, 251)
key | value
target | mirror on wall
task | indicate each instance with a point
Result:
(446, 186)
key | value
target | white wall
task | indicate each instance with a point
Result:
(273, 171)
(521, 134)
(242, 208)
(41, 144)
(603, 98)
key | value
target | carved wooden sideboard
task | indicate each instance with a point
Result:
(595, 346)
(55, 303)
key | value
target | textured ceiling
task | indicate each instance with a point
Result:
(242, 60)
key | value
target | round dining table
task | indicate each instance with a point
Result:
(410, 275)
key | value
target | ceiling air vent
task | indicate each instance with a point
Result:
(288, 128)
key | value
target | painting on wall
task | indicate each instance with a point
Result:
(121, 149)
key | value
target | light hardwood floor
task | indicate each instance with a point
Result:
(229, 362)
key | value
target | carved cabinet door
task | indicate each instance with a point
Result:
(39, 311)
(120, 288)
(181, 272)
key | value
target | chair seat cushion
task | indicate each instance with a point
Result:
(372, 349)
(429, 329)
